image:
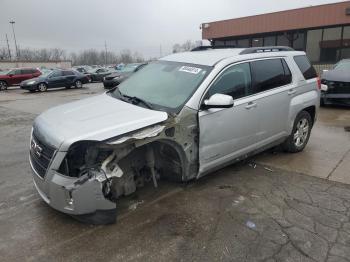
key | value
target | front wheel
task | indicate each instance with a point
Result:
(42, 87)
(299, 138)
(3, 85)
(78, 84)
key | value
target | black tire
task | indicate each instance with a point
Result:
(300, 135)
(42, 87)
(78, 84)
(3, 85)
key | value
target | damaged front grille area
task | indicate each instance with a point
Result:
(40, 155)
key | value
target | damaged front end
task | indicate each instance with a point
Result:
(93, 175)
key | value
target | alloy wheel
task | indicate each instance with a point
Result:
(78, 84)
(301, 132)
(3, 85)
(42, 87)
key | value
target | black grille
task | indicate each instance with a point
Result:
(338, 87)
(40, 155)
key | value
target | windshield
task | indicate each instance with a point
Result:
(45, 72)
(342, 65)
(165, 85)
(4, 72)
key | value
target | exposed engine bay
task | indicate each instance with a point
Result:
(121, 165)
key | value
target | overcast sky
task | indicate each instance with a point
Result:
(138, 25)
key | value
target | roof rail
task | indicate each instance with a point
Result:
(264, 49)
(206, 47)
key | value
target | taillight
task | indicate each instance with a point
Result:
(319, 83)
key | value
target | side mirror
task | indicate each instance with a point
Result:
(10, 75)
(218, 101)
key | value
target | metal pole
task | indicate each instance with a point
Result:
(8, 47)
(14, 36)
(105, 52)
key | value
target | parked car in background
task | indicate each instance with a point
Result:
(83, 71)
(55, 79)
(98, 74)
(16, 76)
(114, 79)
(336, 84)
(119, 66)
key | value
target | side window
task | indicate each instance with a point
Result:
(269, 74)
(27, 71)
(56, 74)
(287, 72)
(234, 81)
(68, 73)
(305, 67)
(17, 72)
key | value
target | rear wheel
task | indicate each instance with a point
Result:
(42, 87)
(3, 85)
(297, 141)
(78, 84)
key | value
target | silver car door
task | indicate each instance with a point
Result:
(273, 88)
(225, 134)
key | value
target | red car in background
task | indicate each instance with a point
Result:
(16, 76)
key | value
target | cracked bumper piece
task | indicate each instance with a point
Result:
(81, 198)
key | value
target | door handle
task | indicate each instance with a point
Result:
(251, 105)
(292, 91)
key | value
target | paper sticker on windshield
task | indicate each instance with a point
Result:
(189, 69)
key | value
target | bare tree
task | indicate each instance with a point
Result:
(138, 58)
(186, 46)
(177, 48)
(125, 56)
(85, 57)
(4, 55)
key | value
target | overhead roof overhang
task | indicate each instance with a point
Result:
(303, 18)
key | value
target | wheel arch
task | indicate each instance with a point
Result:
(170, 157)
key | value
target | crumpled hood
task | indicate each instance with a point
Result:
(97, 118)
(340, 75)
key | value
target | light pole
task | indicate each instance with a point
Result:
(14, 36)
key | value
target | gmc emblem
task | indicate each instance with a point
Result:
(36, 148)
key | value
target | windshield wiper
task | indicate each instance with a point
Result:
(133, 99)
(121, 96)
(137, 100)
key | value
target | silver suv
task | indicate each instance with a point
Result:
(180, 118)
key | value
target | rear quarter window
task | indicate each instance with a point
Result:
(305, 67)
(269, 74)
(68, 73)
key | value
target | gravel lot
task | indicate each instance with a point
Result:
(274, 207)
